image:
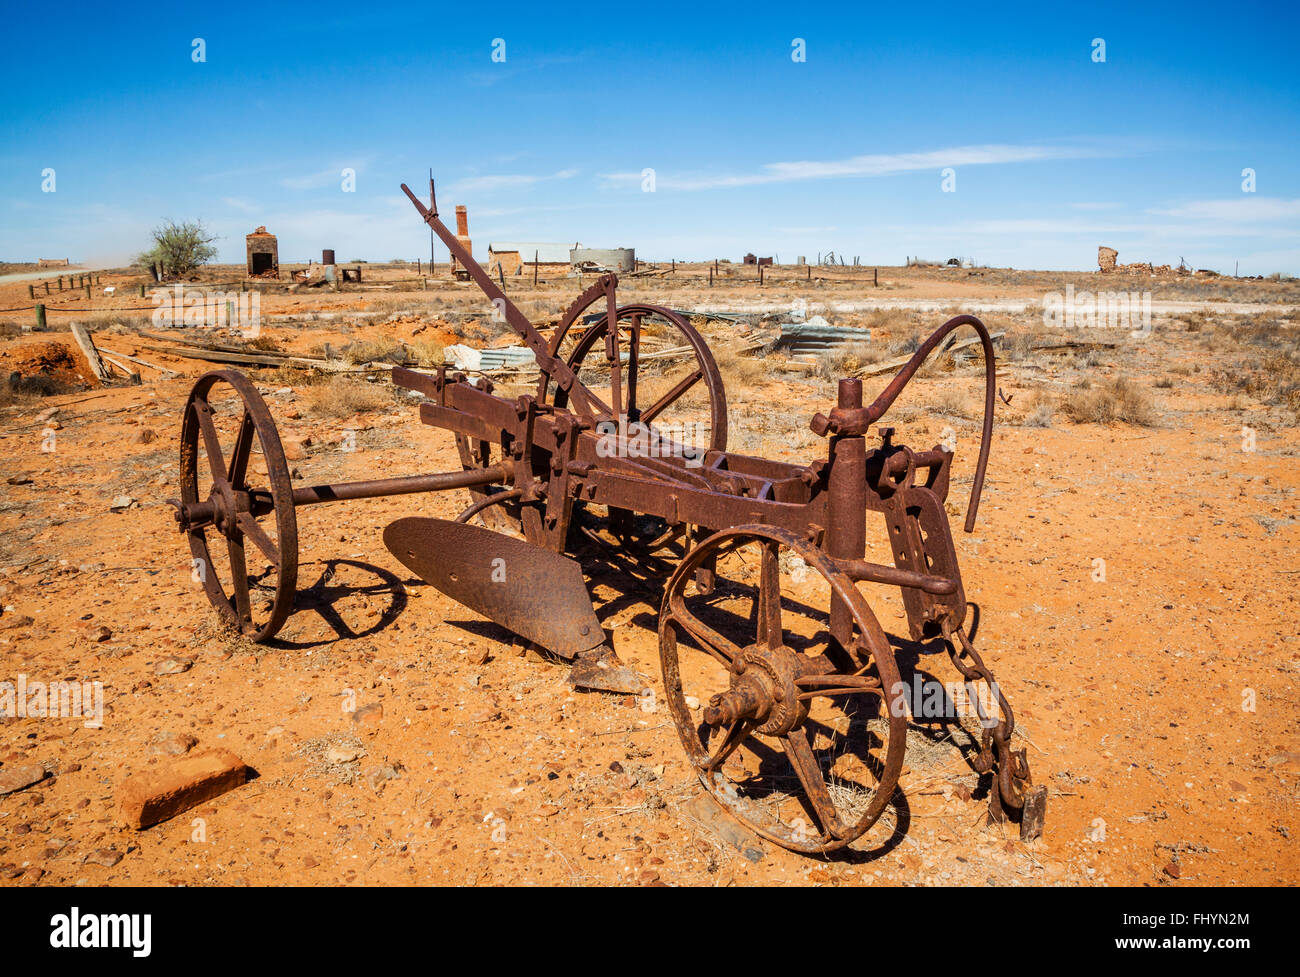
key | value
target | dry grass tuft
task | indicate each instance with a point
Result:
(427, 352)
(951, 402)
(1041, 413)
(845, 361)
(373, 350)
(737, 368)
(344, 396)
(1116, 401)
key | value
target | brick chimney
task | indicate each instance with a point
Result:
(462, 238)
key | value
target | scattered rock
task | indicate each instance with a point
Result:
(146, 436)
(121, 503)
(378, 776)
(172, 666)
(107, 857)
(341, 753)
(20, 777)
(707, 812)
(9, 621)
(295, 449)
(177, 744)
(18, 480)
(369, 715)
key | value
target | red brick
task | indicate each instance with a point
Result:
(152, 796)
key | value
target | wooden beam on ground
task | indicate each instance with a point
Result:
(884, 366)
(167, 374)
(82, 335)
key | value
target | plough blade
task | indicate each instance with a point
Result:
(537, 594)
(600, 670)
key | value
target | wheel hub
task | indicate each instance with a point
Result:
(226, 504)
(763, 690)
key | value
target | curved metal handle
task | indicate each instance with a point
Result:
(887, 397)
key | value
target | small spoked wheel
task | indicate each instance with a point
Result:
(236, 491)
(788, 729)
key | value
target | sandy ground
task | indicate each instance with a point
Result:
(1157, 699)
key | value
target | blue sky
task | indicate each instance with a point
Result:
(1054, 153)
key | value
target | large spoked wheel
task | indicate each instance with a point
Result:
(667, 399)
(681, 400)
(235, 489)
(788, 730)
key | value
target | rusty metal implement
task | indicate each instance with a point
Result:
(782, 683)
(547, 604)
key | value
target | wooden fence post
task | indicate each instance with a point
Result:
(40, 318)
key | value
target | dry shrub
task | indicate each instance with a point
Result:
(16, 397)
(1274, 380)
(846, 361)
(1271, 370)
(905, 345)
(737, 368)
(427, 352)
(1194, 321)
(266, 343)
(372, 350)
(1116, 401)
(345, 396)
(1017, 346)
(951, 402)
(1040, 415)
(888, 319)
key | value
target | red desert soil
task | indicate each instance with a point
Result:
(1157, 700)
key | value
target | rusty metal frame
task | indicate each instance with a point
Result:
(564, 446)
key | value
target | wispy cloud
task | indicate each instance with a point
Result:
(503, 181)
(240, 204)
(330, 176)
(1244, 208)
(313, 181)
(876, 164)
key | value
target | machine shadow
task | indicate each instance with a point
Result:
(324, 595)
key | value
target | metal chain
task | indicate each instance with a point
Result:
(995, 742)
